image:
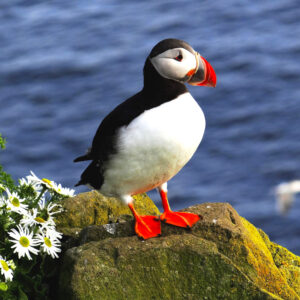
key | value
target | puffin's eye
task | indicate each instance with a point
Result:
(179, 57)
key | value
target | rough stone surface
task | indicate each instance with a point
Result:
(92, 208)
(222, 257)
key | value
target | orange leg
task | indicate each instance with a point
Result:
(146, 227)
(181, 219)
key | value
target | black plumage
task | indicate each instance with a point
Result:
(156, 91)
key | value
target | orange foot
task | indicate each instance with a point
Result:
(180, 219)
(147, 227)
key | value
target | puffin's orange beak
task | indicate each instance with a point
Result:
(204, 73)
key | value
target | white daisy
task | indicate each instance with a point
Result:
(31, 219)
(23, 241)
(49, 244)
(48, 183)
(53, 233)
(34, 180)
(27, 182)
(43, 216)
(5, 269)
(62, 191)
(15, 203)
(35, 217)
(49, 208)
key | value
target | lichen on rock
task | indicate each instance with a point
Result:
(92, 208)
(221, 257)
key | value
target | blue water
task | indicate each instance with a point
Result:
(65, 64)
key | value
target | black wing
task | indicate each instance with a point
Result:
(104, 139)
(104, 142)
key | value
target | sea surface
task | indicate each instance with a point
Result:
(65, 64)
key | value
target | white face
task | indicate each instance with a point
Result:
(175, 64)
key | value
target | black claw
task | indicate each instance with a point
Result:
(141, 238)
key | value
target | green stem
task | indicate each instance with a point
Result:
(38, 198)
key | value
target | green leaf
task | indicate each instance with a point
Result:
(2, 142)
(22, 295)
(5, 178)
(3, 286)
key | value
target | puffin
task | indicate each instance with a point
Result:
(147, 139)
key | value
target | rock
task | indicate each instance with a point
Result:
(221, 257)
(92, 208)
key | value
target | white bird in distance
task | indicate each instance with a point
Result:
(285, 195)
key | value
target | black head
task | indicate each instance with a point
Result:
(168, 44)
(176, 60)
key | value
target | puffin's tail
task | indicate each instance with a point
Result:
(92, 176)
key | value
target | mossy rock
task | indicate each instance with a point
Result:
(92, 208)
(222, 257)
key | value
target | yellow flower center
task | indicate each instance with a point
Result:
(15, 202)
(39, 219)
(24, 241)
(4, 265)
(47, 242)
(47, 181)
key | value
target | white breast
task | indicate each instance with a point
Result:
(154, 147)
